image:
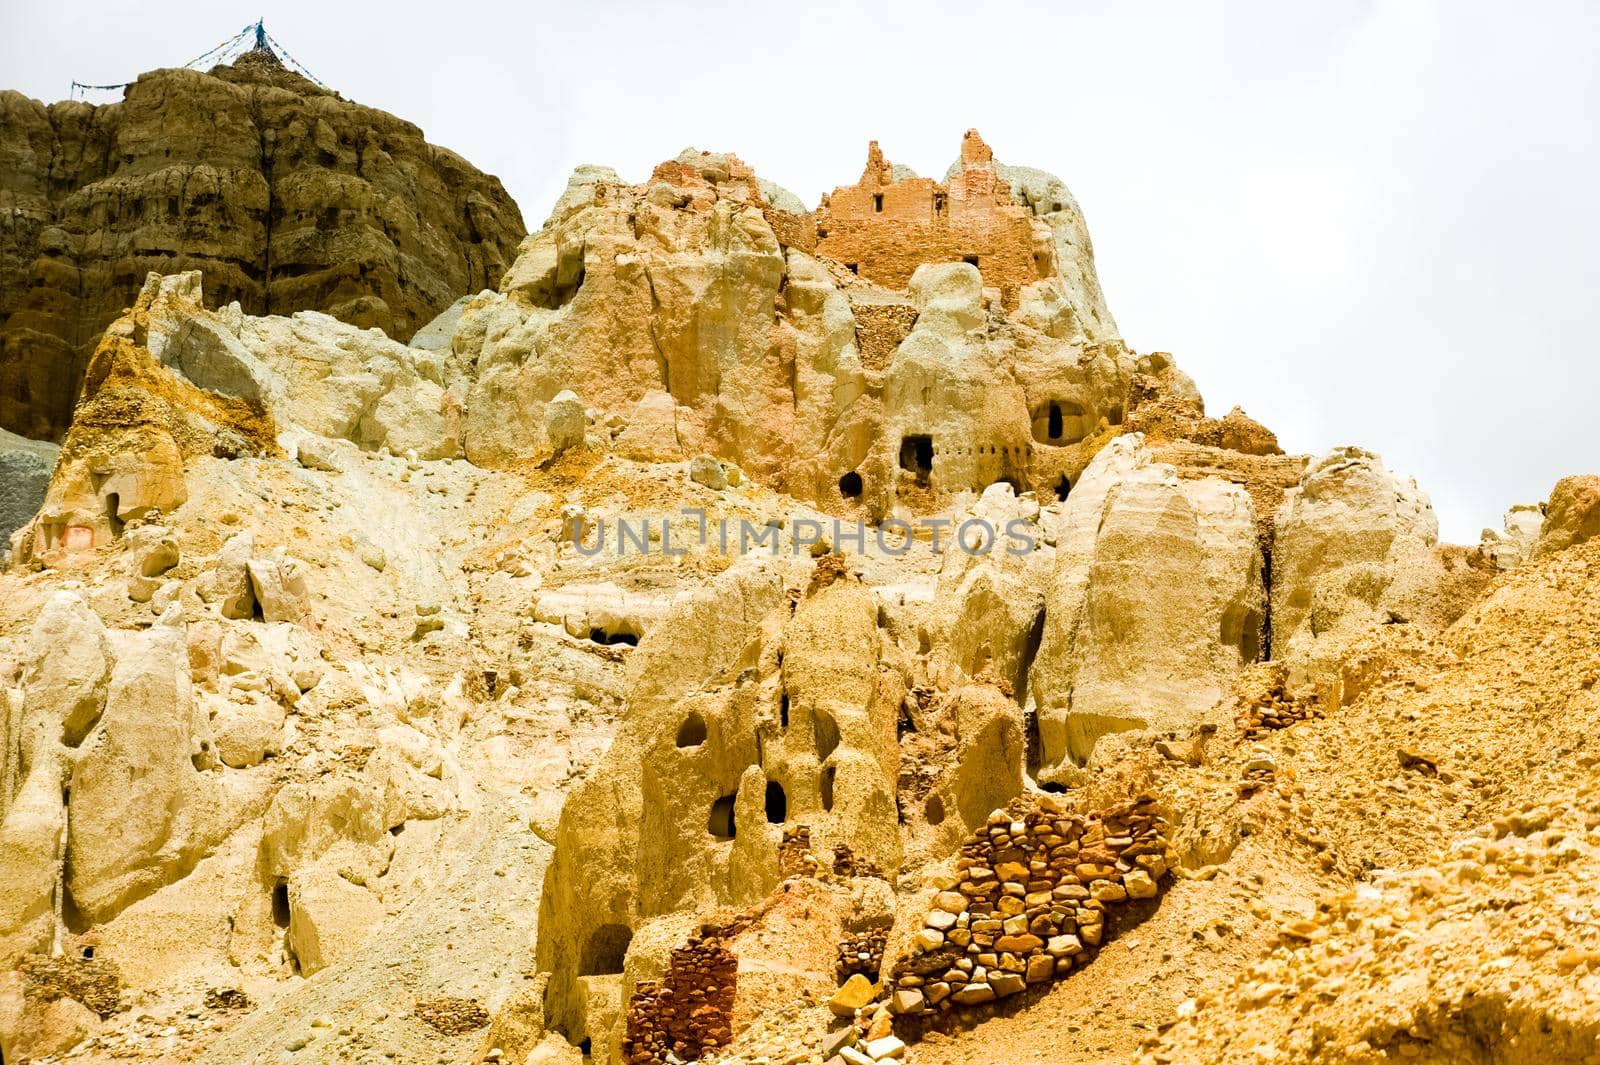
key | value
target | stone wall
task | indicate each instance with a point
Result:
(883, 229)
(688, 1013)
(1031, 898)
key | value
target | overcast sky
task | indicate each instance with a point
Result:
(1370, 223)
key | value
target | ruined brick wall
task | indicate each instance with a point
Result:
(689, 1012)
(792, 230)
(884, 229)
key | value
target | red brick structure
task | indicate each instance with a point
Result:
(687, 1014)
(884, 229)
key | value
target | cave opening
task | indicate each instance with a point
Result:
(692, 733)
(916, 456)
(605, 950)
(777, 803)
(721, 823)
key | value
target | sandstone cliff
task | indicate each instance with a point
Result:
(289, 197)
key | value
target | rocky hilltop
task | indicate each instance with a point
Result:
(288, 196)
(753, 634)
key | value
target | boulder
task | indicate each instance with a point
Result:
(278, 584)
(68, 672)
(213, 358)
(245, 728)
(38, 1027)
(707, 471)
(134, 822)
(1571, 516)
(230, 580)
(1513, 543)
(565, 421)
(329, 918)
(1353, 547)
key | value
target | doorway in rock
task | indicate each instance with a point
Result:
(916, 457)
(720, 824)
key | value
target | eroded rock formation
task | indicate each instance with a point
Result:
(351, 709)
(287, 196)
(700, 313)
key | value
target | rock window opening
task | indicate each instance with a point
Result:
(854, 268)
(584, 1048)
(940, 202)
(850, 485)
(877, 202)
(1063, 486)
(783, 710)
(1060, 422)
(971, 260)
(1114, 416)
(826, 787)
(280, 904)
(721, 823)
(113, 505)
(88, 954)
(777, 804)
(933, 809)
(598, 635)
(916, 456)
(692, 733)
(606, 949)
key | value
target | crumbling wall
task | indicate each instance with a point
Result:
(688, 1013)
(883, 229)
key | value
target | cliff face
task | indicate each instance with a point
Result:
(286, 196)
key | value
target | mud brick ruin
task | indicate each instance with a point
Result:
(688, 1012)
(883, 229)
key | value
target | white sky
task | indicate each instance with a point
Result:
(1369, 223)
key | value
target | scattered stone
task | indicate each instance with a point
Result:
(856, 993)
(705, 470)
(451, 1016)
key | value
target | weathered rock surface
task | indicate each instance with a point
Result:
(1572, 514)
(291, 690)
(25, 468)
(1156, 602)
(287, 196)
(1355, 547)
(699, 314)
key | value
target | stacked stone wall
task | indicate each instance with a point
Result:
(1030, 902)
